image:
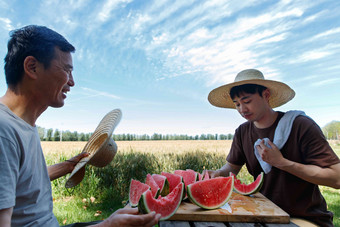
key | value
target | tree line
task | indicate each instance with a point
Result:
(330, 130)
(56, 135)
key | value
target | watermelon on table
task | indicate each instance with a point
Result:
(192, 171)
(162, 183)
(166, 206)
(173, 179)
(153, 185)
(206, 176)
(189, 177)
(136, 190)
(212, 193)
(248, 189)
(200, 176)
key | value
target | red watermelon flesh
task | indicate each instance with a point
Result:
(162, 183)
(189, 177)
(248, 189)
(166, 206)
(212, 193)
(206, 176)
(153, 185)
(136, 190)
(200, 176)
(173, 180)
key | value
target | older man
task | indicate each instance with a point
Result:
(38, 69)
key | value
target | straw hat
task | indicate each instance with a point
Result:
(101, 147)
(280, 93)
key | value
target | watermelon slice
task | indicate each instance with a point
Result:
(206, 176)
(200, 176)
(162, 183)
(212, 193)
(166, 206)
(189, 177)
(153, 185)
(136, 190)
(248, 189)
(173, 180)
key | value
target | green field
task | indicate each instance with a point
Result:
(104, 190)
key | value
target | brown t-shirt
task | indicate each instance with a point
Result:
(307, 145)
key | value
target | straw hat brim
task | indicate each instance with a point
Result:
(280, 93)
(101, 147)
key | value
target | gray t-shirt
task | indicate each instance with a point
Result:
(25, 184)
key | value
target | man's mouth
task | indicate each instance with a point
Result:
(65, 92)
(246, 115)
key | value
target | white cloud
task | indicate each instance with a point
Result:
(6, 23)
(94, 93)
(325, 82)
(275, 38)
(222, 50)
(317, 53)
(325, 34)
(107, 8)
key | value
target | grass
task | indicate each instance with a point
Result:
(104, 190)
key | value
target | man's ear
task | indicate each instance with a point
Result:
(266, 94)
(30, 66)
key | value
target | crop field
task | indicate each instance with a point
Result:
(156, 146)
(104, 190)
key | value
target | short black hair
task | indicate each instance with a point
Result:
(246, 88)
(31, 40)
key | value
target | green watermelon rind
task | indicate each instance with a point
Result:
(180, 172)
(142, 207)
(255, 190)
(166, 187)
(193, 200)
(158, 190)
(165, 190)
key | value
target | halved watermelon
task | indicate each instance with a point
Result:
(189, 177)
(212, 193)
(162, 183)
(173, 180)
(153, 185)
(166, 206)
(136, 190)
(248, 189)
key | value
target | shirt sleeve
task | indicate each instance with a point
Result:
(314, 146)
(236, 155)
(9, 169)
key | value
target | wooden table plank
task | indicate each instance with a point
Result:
(220, 224)
(254, 209)
(208, 224)
(174, 224)
(235, 224)
(291, 224)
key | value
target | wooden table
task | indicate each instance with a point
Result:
(254, 210)
(220, 224)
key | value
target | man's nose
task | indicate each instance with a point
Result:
(70, 82)
(243, 108)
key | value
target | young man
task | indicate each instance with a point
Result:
(38, 69)
(304, 161)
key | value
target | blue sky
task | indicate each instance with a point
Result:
(158, 60)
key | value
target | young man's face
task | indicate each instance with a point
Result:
(252, 106)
